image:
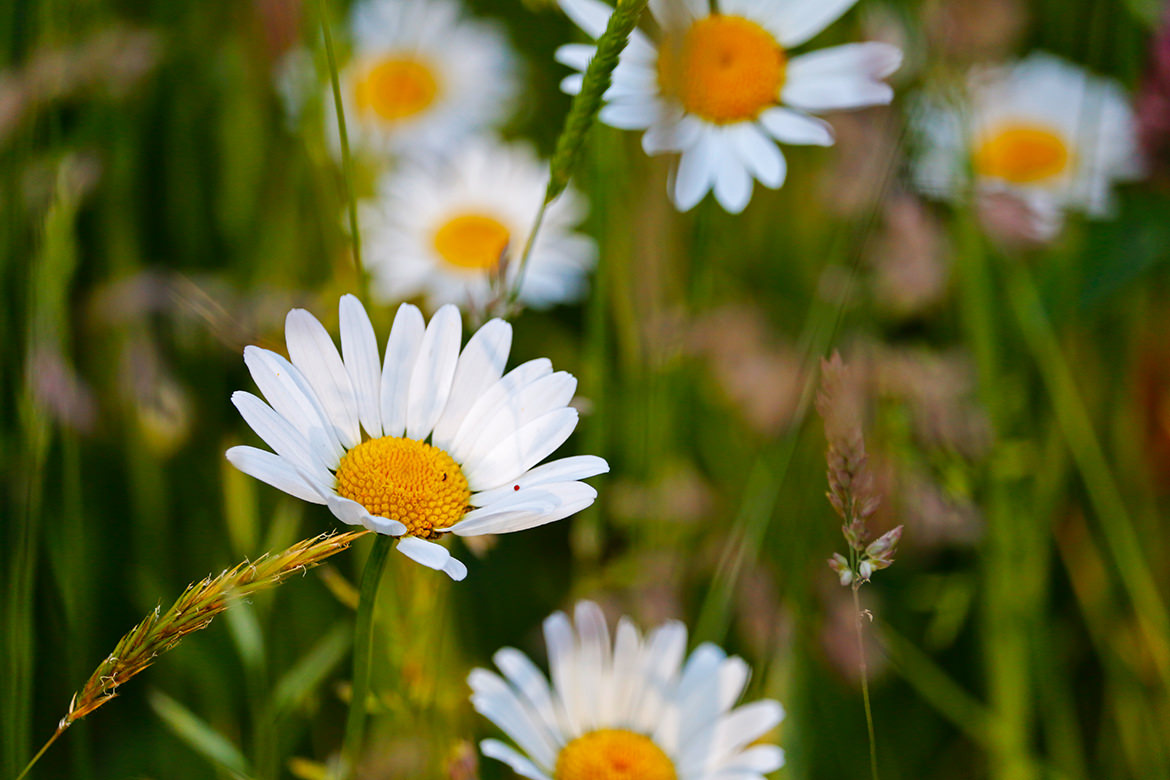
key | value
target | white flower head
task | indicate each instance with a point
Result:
(629, 709)
(444, 230)
(721, 88)
(431, 441)
(1043, 131)
(422, 77)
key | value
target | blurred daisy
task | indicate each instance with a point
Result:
(630, 710)
(429, 442)
(721, 87)
(1043, 132)
(445, 231)
(423, 76)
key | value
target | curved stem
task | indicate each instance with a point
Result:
(363, 636)
(514, 292)
(865, 683)
(60, 730)
(346, 160)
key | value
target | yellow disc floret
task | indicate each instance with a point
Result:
(473, 242)
(1021, 153)
(724, 68)
(613, 754)
(406, 480)
(395, 88)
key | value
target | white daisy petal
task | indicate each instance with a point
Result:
(480, 365)
(402, 349)
(794, 127)
(289, 393)
(835, 93)
(592, 16)
(572, 83)
(429, 554)
(273, 470)
(757, 758)
(279, 434)
(430, 381)
(871, 60)
(494, 699)
(564, 470)
(313, 352)
(696, 172)
(493, 748)
(575, 55)
(528, 682)
(797, 21)
(485, 407)
(527, 404)
(758, 154)
(544, 505)
(733, 183)
(347, 511)
(629, 116)
(359, 348)
(522, 450)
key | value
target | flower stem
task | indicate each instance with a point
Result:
(355, 724)
(865, 681)
(60, 730)
(346, 160)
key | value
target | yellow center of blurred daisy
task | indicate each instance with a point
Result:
(406, 480)
(613, 754)
(724, 69)
(1021, 154)
(396, 88)
(472, 241)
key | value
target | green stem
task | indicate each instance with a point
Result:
(346, 159)
(363, 641)
(514, 292)
(60, 730)
(864, 681)
(1072, 416)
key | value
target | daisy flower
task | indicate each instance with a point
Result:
(720, 88)
(423, 76)
(430, 441)
(630, 710)
(445, 230)
(1043, 131)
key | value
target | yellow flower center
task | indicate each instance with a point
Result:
(395, 88)
(613, 754)
(1021, 153)
(406, 480)
(724, 69)
(472, 241)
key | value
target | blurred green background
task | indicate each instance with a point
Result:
(160, 211)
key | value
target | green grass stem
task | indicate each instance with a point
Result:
(363, 646)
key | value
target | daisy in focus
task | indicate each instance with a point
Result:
(1044, 133)
(626, 710)
(445, 231)
(422, 77)
(722, 88)
(431, 441)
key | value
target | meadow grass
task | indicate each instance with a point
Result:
(159, 210)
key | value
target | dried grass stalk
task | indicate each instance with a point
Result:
(160, 631)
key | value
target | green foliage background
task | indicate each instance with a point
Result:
(159, 212)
